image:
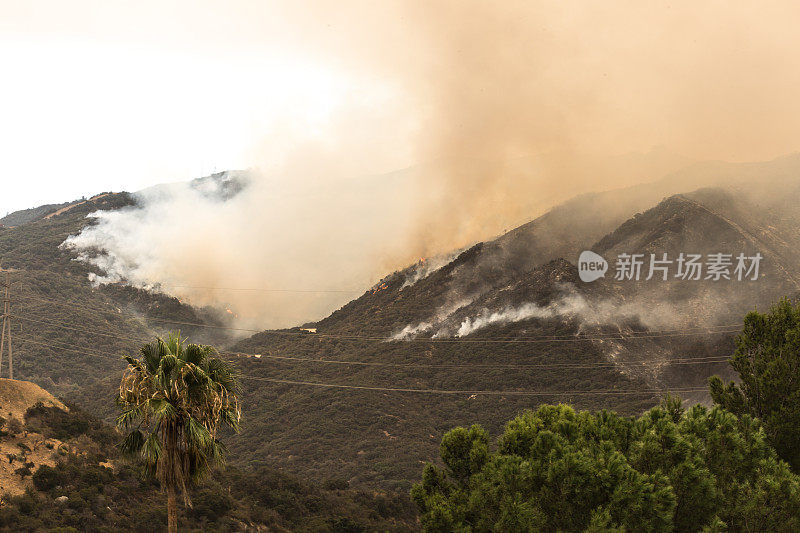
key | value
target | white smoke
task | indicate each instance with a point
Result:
(426, 267)
(441, 315)
(409, 332)
(280, 253)
(572, 304)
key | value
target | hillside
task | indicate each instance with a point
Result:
(62, 469)
(23, 451)
(56, 309)
(17, 396)
(493, 317)
(24, 216)
(507, 322)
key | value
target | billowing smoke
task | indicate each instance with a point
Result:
(502, 109)
(463, 318)
(442, 314)
(525, 103)
(277, 253)
(562, 307)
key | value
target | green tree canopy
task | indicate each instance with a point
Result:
(173, 401)
(767, 358)
(555, 469)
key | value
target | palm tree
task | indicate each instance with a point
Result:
(173, 401)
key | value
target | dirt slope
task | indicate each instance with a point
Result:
(20, 449)
(17, 396)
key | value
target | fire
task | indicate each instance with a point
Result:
(379, 288)
(229, 311)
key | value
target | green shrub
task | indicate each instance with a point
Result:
(48, 478)
(336, 484)
(556, 469)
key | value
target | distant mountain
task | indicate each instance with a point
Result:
(220, 186)
(35, 213)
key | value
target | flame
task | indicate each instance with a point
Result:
(379, 288)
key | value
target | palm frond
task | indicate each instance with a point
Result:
(161, 408)
(197, 354)
(220, 372)
(165, 368)
(197, 435)
(151, 449)
(130, 416)
(135, 363)
(132, 443)
(152, 354)
(231, 417)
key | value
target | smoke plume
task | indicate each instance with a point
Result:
(500, 110)
(276, 254)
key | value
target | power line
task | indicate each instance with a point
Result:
(41, 298)
(82, 330)
(543, 339)
(599, 392)
(596, 365)
(616, 336)
(150, 318)
(687, 331)
(81, 350)
(610, 364)
(476, 392)
(259, 289)
(710, 330)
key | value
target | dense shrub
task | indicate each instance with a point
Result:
(555, 469)
(767, 358)
(47, 478)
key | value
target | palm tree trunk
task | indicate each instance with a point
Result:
(172, 510)
(169, 478)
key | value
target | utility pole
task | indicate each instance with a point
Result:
(6, 325)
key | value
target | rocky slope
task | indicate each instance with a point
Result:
(23, 451)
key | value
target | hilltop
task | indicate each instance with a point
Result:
(16, 397)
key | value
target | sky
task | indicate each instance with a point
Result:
(100, 96)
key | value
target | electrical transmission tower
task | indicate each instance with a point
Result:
(5, 332)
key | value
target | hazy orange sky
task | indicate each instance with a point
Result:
(118, 95)
(498, 109)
